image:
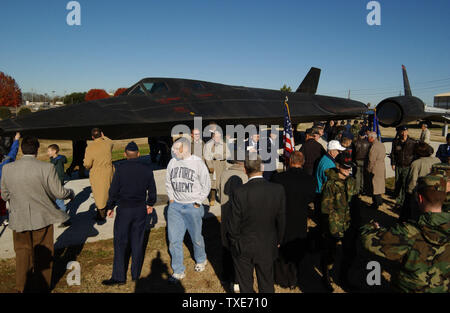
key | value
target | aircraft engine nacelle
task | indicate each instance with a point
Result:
(395, 111)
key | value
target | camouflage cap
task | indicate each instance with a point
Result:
(441, 168)
(438, 181)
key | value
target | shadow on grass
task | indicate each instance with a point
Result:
(157, 280)
(70, 243)
(212, 237)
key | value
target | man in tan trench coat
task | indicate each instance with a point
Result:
(377, 169)
(98, 159)
(216, 153)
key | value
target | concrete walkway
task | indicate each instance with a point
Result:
(82, 211)
(84, 228)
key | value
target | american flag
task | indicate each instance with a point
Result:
(288, 137)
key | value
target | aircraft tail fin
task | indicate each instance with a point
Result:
(406, 82)
(310, 83)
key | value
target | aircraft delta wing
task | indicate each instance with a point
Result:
(152, 106)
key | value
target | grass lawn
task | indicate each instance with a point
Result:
(96, 261)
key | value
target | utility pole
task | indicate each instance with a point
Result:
(349, 94)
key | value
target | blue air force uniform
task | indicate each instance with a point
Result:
(132, 189)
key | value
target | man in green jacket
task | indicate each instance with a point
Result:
(422, 249)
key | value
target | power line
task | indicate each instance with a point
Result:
(395, 88)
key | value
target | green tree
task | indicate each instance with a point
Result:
(75, 97)
(23, 112)
(286, 88)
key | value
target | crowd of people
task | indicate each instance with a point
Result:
(264, 211)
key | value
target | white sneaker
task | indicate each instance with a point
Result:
(236, 288)
(200, 267)
(5, 223)
(176, 277)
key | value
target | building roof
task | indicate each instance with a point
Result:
(447, 94)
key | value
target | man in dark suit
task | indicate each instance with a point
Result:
(252, 144)
(256, 227)
(133, 189)
(300, 191)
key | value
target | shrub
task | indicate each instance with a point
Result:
(23, 112)
(5, 113)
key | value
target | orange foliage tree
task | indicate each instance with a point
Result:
(96, 94)
(10, 93)
(119, 91)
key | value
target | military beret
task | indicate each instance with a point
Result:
(132, 146)
(401, 128)
(438, 181)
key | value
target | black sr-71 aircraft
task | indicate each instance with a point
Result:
(152, 106)
(401, 110)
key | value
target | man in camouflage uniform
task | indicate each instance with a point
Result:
(422, 248)
(339, 198)
(355, 129)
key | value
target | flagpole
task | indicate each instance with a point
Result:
(292, 143)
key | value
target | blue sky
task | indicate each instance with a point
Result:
(254, 43)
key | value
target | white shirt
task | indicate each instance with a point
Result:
(255, 177)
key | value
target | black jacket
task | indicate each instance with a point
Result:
(131, 182)
(362, 148)
(313, 151)
(299, 188)
(257, 220)
(402, 153)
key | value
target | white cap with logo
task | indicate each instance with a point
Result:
(335, 145)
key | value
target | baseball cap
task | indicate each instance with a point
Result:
(132, 146)
(401, 128)
(343, 161)
(438, 181)
(335, 145)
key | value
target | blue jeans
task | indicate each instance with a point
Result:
(182, 217)
(61, 205)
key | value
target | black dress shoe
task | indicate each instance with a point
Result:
(112, 282)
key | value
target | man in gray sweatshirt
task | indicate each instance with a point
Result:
(188, 185)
